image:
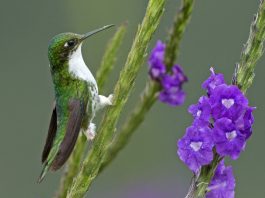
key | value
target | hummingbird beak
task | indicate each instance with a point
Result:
(84, 36)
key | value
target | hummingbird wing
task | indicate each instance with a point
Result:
(51, 135)
(76, 109)
(61, 141)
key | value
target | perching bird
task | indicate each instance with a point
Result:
(76, 99)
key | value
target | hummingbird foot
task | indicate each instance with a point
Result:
(90, 133)
(110, 98)
(105, 101)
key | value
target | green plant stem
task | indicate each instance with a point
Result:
(243, 78)
(148, 96)
(107, 64)
(92, 162)
(252, 51)
(182, 18)
(199, 184)
(72, 167)
(110, 57)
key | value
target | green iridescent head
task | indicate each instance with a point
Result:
(63, 45)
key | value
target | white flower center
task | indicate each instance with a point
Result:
(174, 89)
(199, 112)
(196, 146)
(155, 72)
(212, 85)
(228, 103)
(231, 135)
(218, 186)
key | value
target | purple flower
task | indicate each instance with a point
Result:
(176, 79)
(171, 84)
(195, 148)
(223, 183)
(173, 96)
(222, 120)
(202, 110)
(227, 138)
(169, 81)
(213, 81)
(172, 93)
(178, 74)
(156, 61)
(227, 101)
(245, 121)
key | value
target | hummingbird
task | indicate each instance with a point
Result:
(76, 99)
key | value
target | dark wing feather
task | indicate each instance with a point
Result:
(76, 115)
(50, 136)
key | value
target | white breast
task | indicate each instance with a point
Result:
(78, 68)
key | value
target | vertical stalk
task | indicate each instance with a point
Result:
(72, 167)
(110, 57)
(92, 162)
(148, 96)
(199, 183)
(176, 33)
(252, 51)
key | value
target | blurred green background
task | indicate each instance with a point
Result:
(148, 167)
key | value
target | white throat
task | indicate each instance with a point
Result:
(78, 68)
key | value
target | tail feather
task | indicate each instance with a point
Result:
(43, 172)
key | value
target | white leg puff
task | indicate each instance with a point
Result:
(90, 133)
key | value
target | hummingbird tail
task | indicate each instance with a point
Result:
(43, 172)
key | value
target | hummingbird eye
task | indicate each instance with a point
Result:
(70, 43)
